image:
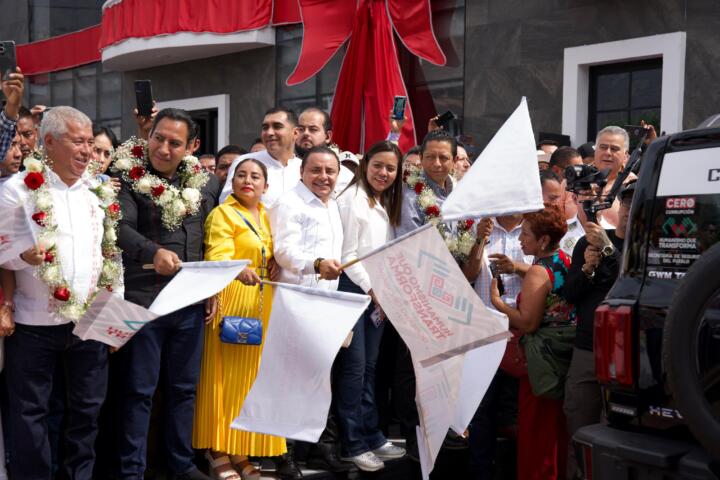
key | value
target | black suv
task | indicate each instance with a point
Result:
(657, 334)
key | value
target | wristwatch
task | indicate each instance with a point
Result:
(316, 264)
(589, 275)
(607, 250)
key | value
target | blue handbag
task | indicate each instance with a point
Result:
(245, 330)
(241, 330)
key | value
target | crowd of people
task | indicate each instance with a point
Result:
(299, 209)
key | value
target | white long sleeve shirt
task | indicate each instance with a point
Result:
(304, 229)
(79, 236)
(281, 179)
(365, 228)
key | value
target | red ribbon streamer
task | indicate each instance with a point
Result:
(370, 76)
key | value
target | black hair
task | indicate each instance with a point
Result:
(439, 136)
(24, 112)
(232, 149)
(413, 151)
(548, 175)
(562, 156)
(319, 149)
(100, 130)
(290, 113)
(547, 141)
(327, 121)
(257, 162)
(390, 199)
(179, 115)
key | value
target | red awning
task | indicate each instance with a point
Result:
(61, 52)
(142, 19)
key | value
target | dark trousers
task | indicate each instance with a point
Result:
(497, 409)
(173, 344)
(33, 352)
(354, 384)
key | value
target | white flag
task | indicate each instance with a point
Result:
(112, 320)
(195, 282)
(291, 394)
(440, 318)
(504, 179)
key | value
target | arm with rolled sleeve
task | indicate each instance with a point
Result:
(352, 220)
(288, 248)
(134, 245)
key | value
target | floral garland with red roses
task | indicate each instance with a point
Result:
(64, 301)
(131, 160)
(461, 242)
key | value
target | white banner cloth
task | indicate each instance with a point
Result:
(440, 318)
(291, 394)
(195, 282)
(112, 320)
(504, 179)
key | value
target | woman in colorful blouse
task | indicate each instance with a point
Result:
(542, 435)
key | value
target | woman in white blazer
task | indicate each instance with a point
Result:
(370, 210)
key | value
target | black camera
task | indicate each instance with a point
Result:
(590, 182)
(581, 178)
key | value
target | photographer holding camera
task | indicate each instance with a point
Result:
(594, 268)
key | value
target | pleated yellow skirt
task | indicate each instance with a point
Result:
(226, 375)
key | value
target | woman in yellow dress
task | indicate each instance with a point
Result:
(237, 229)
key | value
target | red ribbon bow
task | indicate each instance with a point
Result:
(370, 76)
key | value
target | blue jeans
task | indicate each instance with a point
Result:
(32, 354)
(354, 385)
(171, 344)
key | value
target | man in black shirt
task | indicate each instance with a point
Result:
(171, 345)
(595, 266)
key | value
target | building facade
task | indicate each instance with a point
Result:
(582, 64)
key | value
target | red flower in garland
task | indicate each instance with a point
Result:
(49, 257)
(34, 180)
(39, 218)
(469, 223)
(136, 173)
(62, 294)
(419, 187)
(432, 211)
(157, 190)
(138, 152)
(114, 208)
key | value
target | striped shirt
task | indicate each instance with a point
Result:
(507, 243)
(7, 133)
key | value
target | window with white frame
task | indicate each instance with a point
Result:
(658, 55)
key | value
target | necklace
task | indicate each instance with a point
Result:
(131, 160)
(64, 300)
(461, 241)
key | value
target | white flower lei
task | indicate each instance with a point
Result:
(63, 299)
(462, 241)
(131, 160)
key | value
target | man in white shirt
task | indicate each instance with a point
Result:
(307, 245)
(315, 130)
(306, 226)
(43, 337)
(554, 193)
(278, 134)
